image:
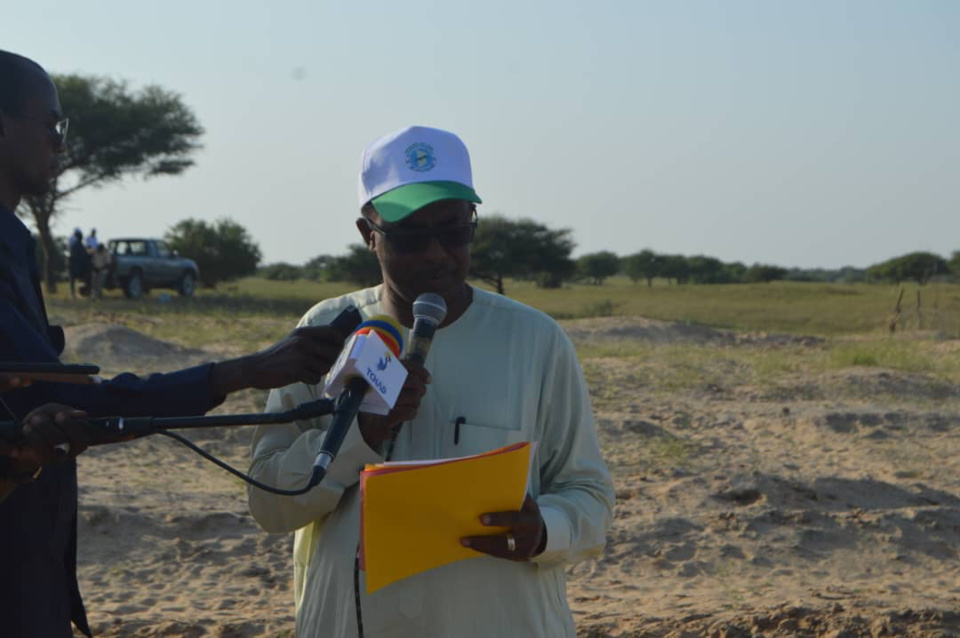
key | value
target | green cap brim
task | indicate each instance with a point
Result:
(402, 201)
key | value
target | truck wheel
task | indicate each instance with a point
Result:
(134, 287)
(188, 284)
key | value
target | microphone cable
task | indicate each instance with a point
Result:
(232, 470)
(139, 427)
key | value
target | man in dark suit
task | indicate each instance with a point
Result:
(38, 519)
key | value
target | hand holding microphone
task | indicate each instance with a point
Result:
(376, 429)
(429, 310)
(304, 356)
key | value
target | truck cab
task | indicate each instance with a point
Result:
(140, 264)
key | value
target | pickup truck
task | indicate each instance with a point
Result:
(142, 264)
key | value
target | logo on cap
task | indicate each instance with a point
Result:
(420, 157)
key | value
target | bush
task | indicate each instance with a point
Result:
(359, 265)
(761, 273)
(223, 250)
(603, 308)
(550, 280)
(280, 271)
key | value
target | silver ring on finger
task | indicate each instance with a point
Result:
(63, 448)
(511, 543)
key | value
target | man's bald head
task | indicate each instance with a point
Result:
(19, 77)
(30, 132)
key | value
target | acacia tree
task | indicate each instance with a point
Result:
(115, 132)
(598, 266)
(674, 267)
(520, 248)
(706, 270)
(642, 265)
(918, 266)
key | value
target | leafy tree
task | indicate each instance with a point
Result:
(115, 132)
(706, 270)
(280, 271)
(642, 265)
(674, 267)
(359, 265)
(223, 250)
(764, 273)
(918, 266)
(523, 249)
(735, 272)
(598, 266)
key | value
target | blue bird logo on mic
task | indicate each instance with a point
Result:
(384, 362)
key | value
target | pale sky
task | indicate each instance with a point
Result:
(815, 133)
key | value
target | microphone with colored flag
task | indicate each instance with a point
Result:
(367, 377)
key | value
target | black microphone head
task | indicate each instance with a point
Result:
(430, 307)
(347, 321)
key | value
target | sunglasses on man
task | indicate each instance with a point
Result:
(57, 130)
(415, 240)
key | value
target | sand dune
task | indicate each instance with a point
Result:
(829, 506)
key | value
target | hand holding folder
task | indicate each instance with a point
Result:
(414, 513)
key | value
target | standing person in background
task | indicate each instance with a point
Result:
(503, 373)
(78, 261)
(100, 263)
(92, 241)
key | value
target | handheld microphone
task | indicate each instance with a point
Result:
(429, 311)
(355, 388)
(347, 321)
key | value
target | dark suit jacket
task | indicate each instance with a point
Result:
(39, 595)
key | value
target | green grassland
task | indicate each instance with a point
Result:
(788, 307)
(852, 319)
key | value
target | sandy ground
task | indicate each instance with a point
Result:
(830, 507)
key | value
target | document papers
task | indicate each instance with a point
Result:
(414, 513)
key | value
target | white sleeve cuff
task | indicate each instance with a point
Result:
(558, 529)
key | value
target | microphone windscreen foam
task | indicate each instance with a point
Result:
(430, 306)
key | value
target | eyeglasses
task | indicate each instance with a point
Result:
(58, 130)
(417, 240)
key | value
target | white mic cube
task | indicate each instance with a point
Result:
(367, 356)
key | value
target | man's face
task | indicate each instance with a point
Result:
(30, 144)
(439, 267)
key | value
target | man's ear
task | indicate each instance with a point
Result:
(366, 233)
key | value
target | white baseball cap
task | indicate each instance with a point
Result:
(406, 170)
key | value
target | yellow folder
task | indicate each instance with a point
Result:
(413, 514)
